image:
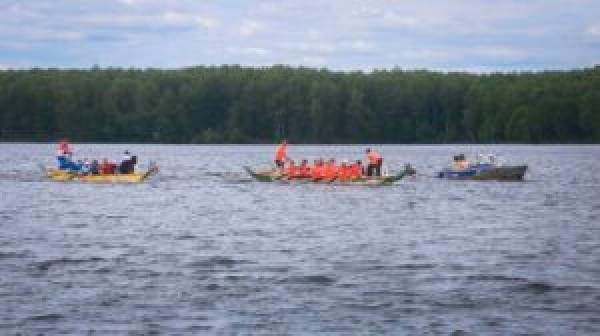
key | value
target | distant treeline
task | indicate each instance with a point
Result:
(232, 104)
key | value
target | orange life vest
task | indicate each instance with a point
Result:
(330, 172)
(355, 171)
(304, 170)
(317, 172)
(344, 173)
(292, 171)
(280, 152)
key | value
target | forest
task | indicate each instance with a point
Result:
(234, 104)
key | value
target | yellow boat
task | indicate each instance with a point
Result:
(59, 175)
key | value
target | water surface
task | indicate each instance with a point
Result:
(203, 249)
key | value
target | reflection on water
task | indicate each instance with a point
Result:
(201, 248)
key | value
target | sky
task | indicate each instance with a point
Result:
(346, 35)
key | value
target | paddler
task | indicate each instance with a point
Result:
(291, 170)
(374, 162)
(330, 171)
(316, 171)
(304, 169)
(356, 170)
(344, 171)
(280, 155)
(106, 167)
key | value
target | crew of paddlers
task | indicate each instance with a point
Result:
(65, 161)
(329, 170)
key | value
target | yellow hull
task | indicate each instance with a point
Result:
(63, 176)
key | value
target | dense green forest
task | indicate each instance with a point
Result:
(232, 104)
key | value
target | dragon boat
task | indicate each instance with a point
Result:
(59, 175)
(272, 175)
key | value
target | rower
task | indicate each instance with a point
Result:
(374, 162)
(280, 154)
(304, 169)
(344, 171)
(292, 170)
(316, 171)
(106, 167)
(356, 170)
(330, 171)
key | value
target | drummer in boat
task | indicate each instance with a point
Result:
(281, 155)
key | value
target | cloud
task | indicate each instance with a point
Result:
(251, 51)
(250, 27)
(362, 46)
(593, 30)
(340, 34)
(165, 19)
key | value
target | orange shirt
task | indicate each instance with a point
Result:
(292, 171)
(317, 172)
(303, 170)
(280, 152)
(344, 173)
(330, 172)
(355, 170)
(373, 157)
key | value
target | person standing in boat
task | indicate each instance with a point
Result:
(374, 162)
(63, 155)
(281, 155)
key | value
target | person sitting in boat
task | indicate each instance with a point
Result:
(77, 166)
(106, 167)
(460, 162)
(64, 162)
(94, 167)
(330, 172)
(344, 172)
(304, 169)
(85, 167)
(316, 171)
(292, 170)
(356, 170)
(280, 155)
(374, 161)
(128, 166)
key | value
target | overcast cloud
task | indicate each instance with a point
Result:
(472, 35)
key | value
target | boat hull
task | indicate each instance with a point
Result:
(58, 175)
(272, 176)
(503, 173)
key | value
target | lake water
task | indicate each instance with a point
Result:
(203, 249)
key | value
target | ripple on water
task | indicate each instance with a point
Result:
(316, 279)
(47, 264)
